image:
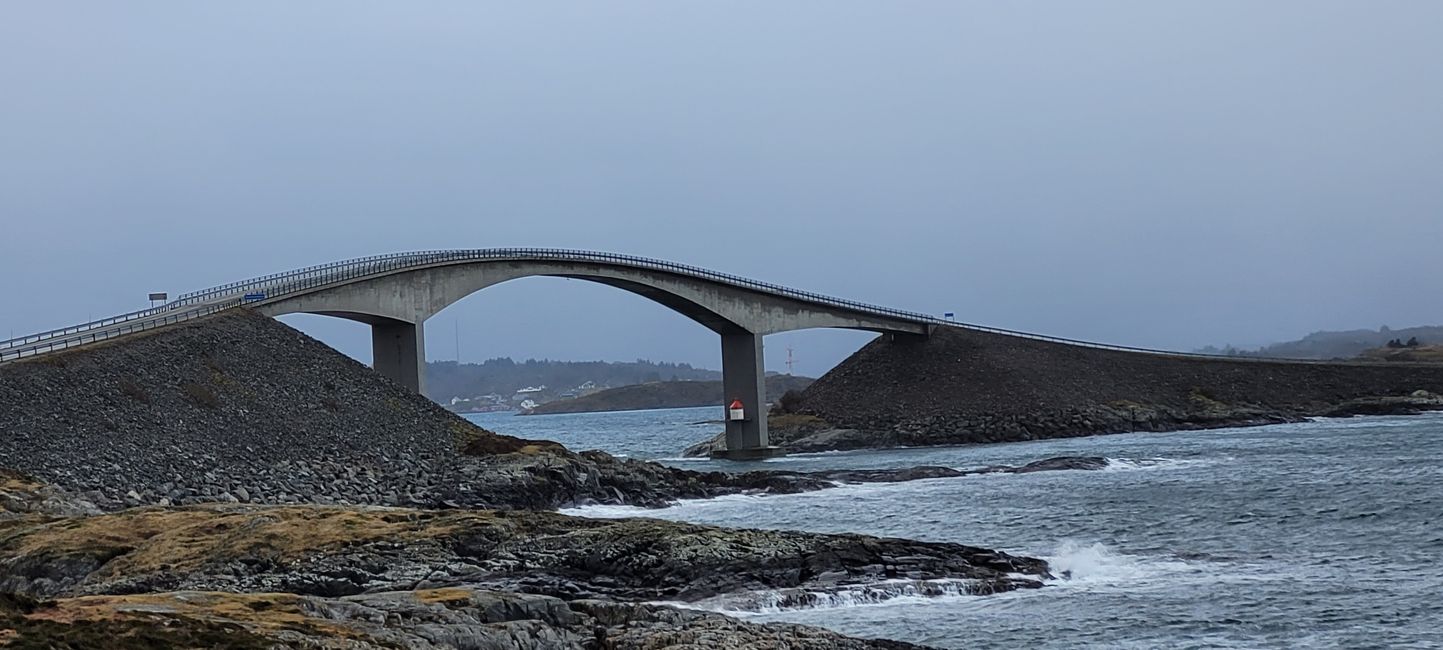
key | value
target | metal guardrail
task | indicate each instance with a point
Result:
(281, 285)
(100, 333)
(34, 338)
(330, 273)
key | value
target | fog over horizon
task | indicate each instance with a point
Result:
(1168, 175)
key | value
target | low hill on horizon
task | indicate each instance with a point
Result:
(448, 379)
(1346, 344)
(665, 394)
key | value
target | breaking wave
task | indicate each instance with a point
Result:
(784, 600)
(1122, 464)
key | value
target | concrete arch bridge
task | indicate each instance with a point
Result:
(395, 294)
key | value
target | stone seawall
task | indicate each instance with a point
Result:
(963, 386)
(233, 407)
(240, 408)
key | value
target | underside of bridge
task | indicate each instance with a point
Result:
(397, 305)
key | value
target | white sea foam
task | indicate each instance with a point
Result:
(840, 489)
(1096, 566)
(1124, 464)
(620, 511)
(891, 592)
(1095, 562)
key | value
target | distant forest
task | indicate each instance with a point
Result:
(1337, 345)
(448, 379)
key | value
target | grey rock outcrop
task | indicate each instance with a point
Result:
(443, 619)
(332, 552)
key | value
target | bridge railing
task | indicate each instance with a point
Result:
(73, 329)
(117, 327)
(279, 285)
(310, 277)
(320, 275)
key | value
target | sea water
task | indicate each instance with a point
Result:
(1319, 534)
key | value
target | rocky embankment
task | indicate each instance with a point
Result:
(243, 409)
(963, 387)
(664, 395)
(232, 483)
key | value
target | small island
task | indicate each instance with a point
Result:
(662, 395)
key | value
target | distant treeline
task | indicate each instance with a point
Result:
(448, 379)
(1338, 345)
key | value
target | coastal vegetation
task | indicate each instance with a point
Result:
(1410, 351)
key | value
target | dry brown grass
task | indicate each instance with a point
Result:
(130, 389)
(151, 539)
(1422, 353)
(12, 481)
(179, 620)
(449, 596)
(263, 613)
(472, 440)
(200, 395)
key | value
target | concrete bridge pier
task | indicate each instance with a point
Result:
(743, 377)
(398, 350)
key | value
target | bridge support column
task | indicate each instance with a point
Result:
(398, 351)
(744, 379)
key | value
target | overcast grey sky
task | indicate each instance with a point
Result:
(1152, 173)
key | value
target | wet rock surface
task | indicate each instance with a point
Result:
(928, 472)
(1417, 402)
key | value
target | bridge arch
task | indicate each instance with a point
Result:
(396, 302)
(396, 293)
(414, 293)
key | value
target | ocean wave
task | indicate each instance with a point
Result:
(1096, 562)
(840, 489)
(1124, 464)
(606, 511)
(1097, 566)
(773, 601)
(621, 511)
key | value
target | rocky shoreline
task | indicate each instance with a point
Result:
(233, 483)
(308, 576)
(805, 433)
(962, 386)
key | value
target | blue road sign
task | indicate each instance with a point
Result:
(258, 295)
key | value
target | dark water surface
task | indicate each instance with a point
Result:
(1320, 534)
